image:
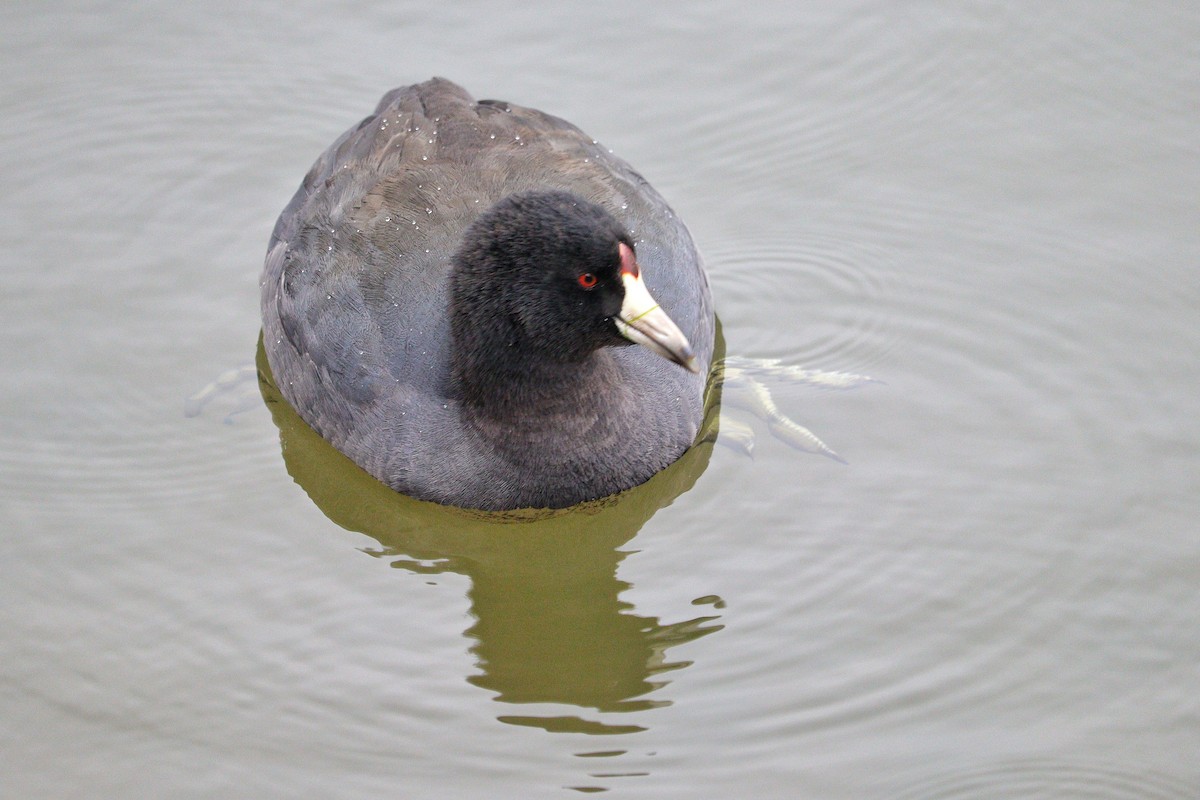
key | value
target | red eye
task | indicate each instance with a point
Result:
(588, 281)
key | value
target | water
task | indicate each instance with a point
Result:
(992, 211)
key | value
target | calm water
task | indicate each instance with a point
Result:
(994, 212)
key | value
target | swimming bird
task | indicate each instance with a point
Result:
(483, 307)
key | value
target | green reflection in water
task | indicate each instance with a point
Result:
(550, 625)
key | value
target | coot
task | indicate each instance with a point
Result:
(452, 297)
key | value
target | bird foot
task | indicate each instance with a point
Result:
(237, 389)
(743, 379)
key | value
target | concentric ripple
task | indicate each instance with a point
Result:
(902, 618)
(828, 291)
(1048, 778)
(991, 209)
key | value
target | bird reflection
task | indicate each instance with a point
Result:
(550, 625)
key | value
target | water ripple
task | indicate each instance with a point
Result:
(833, 286)
(901, 618)
(1049, 778)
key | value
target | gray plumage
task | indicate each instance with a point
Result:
(357, 324)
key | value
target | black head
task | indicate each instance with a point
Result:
(539, 276)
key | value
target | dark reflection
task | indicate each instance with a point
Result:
(550, 625)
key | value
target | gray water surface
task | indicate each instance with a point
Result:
(993, 210)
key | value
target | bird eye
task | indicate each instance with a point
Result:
(588, 281)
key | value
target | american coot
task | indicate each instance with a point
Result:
(450, 296)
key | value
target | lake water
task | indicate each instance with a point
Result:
(993, 210)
